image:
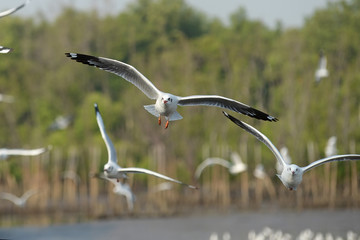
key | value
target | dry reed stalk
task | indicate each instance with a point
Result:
(93, 185)
(333, 173)
(313, 188)
(354, 177)
(259, 183)
(244, 178)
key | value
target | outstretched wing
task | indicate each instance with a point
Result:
(126, 71)
(146, 171)
(261, 137)
(109, 145)
(208, 162)
(12, 10)
(227, 103)
(346, 157)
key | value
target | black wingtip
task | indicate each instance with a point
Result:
(96, 108)
(234, 120)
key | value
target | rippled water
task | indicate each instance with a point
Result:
(197, 226)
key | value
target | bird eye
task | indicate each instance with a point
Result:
(168, 99)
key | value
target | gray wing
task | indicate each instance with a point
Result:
(211, 161)
(10, 197)
(109, 145)
(149, 172)
(126, 71)
(227, 103)
(261, 137)
(28, 194)
(347, 157)
(12, 10)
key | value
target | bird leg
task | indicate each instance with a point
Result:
(167, 124)
(159, 120)
(117, 180)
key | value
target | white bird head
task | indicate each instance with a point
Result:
(110, 169)
(168, 99)
(291, 176)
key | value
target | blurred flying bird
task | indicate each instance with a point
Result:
(121, 189)
(61, 123)
(112, 169)
(259, 171)
(235, 166)
(330, 149)
(291, 175)
(6, 98)
(5, 49)
(321, 72)
(166, 103)
(18, 201)
(12, 10)
(71, 175)
(5, 153)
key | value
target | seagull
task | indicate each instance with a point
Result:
(18, 201)
(6, 98)
(61, 123)
(321, 72)
(259, 171)
(330, 149)
(5, 49)
(166, 103)
(12, 10)
(235, 166)
(122, 189)
(5, 153)
(112, 169)
(291, 176)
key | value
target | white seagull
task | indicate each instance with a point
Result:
(18, 201)
(291, 176)
(122, 189)
(5, 49)
(235, 166)
(5, 152)
(330, 149)
(6, 98)
(259, 171)
(166, 103)
(112, 169)
(321, 72)
(61, 123)
(12, 10)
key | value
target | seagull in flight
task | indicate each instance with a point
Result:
(166, 103)
(6, 98)
(291, 176)
(18, 201)
(12, 10)
(5, 49)
(112, 169)
(321, 72)
(235, 166)
(5, 152)
(330, 149)
(121, 189)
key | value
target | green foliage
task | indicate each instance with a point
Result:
(184, 52)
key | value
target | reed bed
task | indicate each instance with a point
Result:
(89, 197)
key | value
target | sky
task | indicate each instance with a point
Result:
(290, 12)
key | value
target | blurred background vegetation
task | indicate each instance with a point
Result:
(182, 51)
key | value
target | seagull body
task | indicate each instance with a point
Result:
(6, 98)
(259, 171)
(112, 169)
(12, 10)
(166, 103)
(235, 166)
(330, 149)
(321, 72)
(18, 201)
(5, 49)
(291, 176)
(61, 123)
(5, 153)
